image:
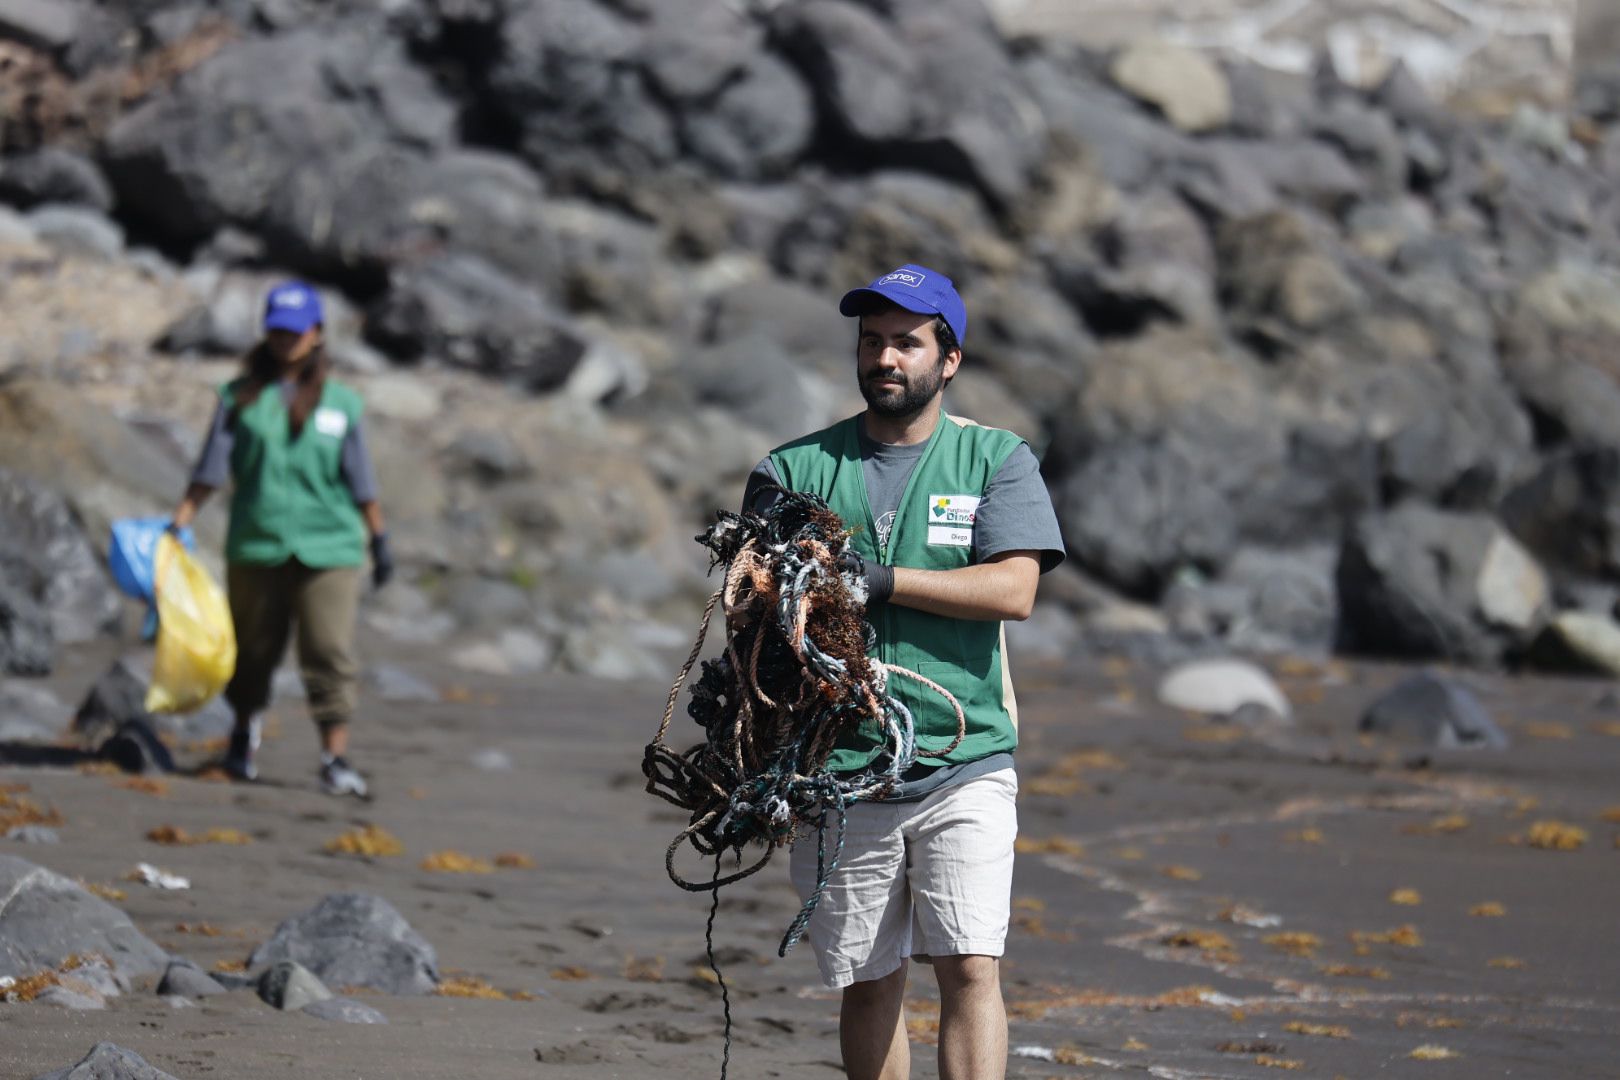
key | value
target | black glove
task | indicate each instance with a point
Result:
(382, 560)
(879, 578)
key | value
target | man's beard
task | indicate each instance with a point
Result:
(909, 398)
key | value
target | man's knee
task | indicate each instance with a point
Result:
(871, 992)
(967, 974)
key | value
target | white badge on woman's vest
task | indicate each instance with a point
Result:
(950, 519)
(330, 421)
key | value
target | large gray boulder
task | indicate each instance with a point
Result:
(27, 645)
(1427, 583)
(568, 78)
(927, 87)
(186, 979)
(1115, 135)
(46, 918)
(465, 313)
(44, 551)
(375, 207)
(113, 700)
(107, 1061)
(355, 939)
(864, 77)
(53, 174)
(1187, 86)
(1568, 512)
(1435, 711)
(757, 126)
(1561, 349)
(1170, 454)
(261, 113)
(30, 713)
(289, 985)
(1266, 600)
(1135, 512)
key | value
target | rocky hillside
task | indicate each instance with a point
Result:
(1479, 55)
(1312, 369)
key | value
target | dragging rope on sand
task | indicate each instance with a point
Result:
(793, 679)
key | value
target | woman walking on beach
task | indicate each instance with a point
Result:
(304, 501)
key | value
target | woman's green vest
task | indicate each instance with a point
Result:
(290, 499)
(932, 531)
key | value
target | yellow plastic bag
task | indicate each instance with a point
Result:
(196, 643)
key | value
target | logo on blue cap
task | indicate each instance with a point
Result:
(292, 305)
(910, 278)
(914, 288)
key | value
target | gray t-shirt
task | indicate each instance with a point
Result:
(214, 463)
(1015, 514)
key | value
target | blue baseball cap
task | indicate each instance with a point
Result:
(914, 288)
(294, 306)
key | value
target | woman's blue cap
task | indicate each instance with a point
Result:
(294, 306)
(914, 288)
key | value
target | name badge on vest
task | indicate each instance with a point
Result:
(333, 422)
(950, 519)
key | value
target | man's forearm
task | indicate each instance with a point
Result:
(1002, 588)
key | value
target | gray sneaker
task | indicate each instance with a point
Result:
(338, 777)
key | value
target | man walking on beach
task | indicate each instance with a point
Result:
(953, 528)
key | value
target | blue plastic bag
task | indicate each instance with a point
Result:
(132, 553)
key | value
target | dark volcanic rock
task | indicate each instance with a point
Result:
(116, 698)
(470, 315)
(567, 78)
(1117, 520)
(1568, 513)
(1561, 348)
(30, 713)
(54, 175)
(1421, 582)
(757, 126)
(864, 77)
(1435, 711)
(48, 918)
(136, 748)
(352, 939)
(396, 205)
(260, 114)
(918, 91)
(44, 551)
(107, 1061)
(1265, 600)
(186, 979)
(290, 985)
(26, 641)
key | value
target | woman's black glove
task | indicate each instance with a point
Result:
(879, 578)
(382, 560)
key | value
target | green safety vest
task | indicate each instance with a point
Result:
(933, 530)
(290, 499)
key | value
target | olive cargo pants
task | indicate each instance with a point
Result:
(266, 602)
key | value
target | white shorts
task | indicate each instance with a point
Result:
(926, 878)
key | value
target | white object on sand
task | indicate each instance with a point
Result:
(148, 874)
(1220, 687)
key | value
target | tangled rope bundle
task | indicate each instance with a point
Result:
(793, 678)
